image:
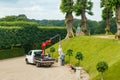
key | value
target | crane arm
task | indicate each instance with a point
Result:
(47, 42)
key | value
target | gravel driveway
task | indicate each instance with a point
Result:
(17, 69)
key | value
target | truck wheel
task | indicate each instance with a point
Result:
(37, 64)
(50, 65)
(26, 61)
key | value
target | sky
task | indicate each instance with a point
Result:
(41, 9)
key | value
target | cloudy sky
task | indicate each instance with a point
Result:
(40, 9)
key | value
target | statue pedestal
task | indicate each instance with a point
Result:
(78, 70)
(59, 61)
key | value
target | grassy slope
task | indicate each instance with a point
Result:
(95, 50)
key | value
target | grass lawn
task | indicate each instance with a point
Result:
(94, 50)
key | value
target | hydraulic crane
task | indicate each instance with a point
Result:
(44, 44)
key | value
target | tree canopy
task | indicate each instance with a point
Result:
(67, 6)
(81, 5)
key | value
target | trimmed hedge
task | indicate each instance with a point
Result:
(34, 36)
(10, 53)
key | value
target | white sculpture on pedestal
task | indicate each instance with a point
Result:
(60, 53)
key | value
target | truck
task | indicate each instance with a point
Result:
(36, 57)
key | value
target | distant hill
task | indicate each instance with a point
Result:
(94, 50)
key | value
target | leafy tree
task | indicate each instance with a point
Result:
(113, 28)
(69, 53)
(22, 17)
(79, 56)
(81, 8)
(115, 5)
(92, 26)
(107, 14)
(52, 50)
(8, 18)
(67, 8)
(100, 29)
(102, 67)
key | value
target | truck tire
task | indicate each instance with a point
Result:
(26, 61)
(37, 64)
(50, 65)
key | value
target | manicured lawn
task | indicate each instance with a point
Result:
(94, 50)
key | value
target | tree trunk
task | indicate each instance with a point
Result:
(83, 23)
(68, 21)
(69, 59)
(102, 76)
(118, 21)
(78, 62)
(107, 29)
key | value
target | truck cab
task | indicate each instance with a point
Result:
(31, 54)
(36, 57)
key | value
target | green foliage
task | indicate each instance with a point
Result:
(10, 53)
(83, 5)
(100, 28)
(51, 23)
(113, 27)
(69, 53)
(52, 49)
(66, 6)
(107, 12)
(29, 35)
(20, 17)
(101, 66)
(93, 26)
(112, 3)
(112, 73)
(79, 56)
(18, 24)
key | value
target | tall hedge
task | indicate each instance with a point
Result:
(28, 35)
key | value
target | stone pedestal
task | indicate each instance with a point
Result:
(59, 61)
(78, 70)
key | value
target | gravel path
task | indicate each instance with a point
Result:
(105, 36)
(17, 69)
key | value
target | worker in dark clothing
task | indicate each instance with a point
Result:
(63, 59)
(48, 55)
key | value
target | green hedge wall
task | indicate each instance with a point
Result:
(10, 53)
(34, 36)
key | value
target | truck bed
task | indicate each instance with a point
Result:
(44, 59)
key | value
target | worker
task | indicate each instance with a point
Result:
(62, 59)
(48, 54)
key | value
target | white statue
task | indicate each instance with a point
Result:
(60, 50)
(60, 53)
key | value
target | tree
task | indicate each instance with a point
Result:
(107, 14)
(69, 53)
(67, 8)
(52, 50)
(81, 8)
(79, 56)
(102, 67)
(115, 5)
